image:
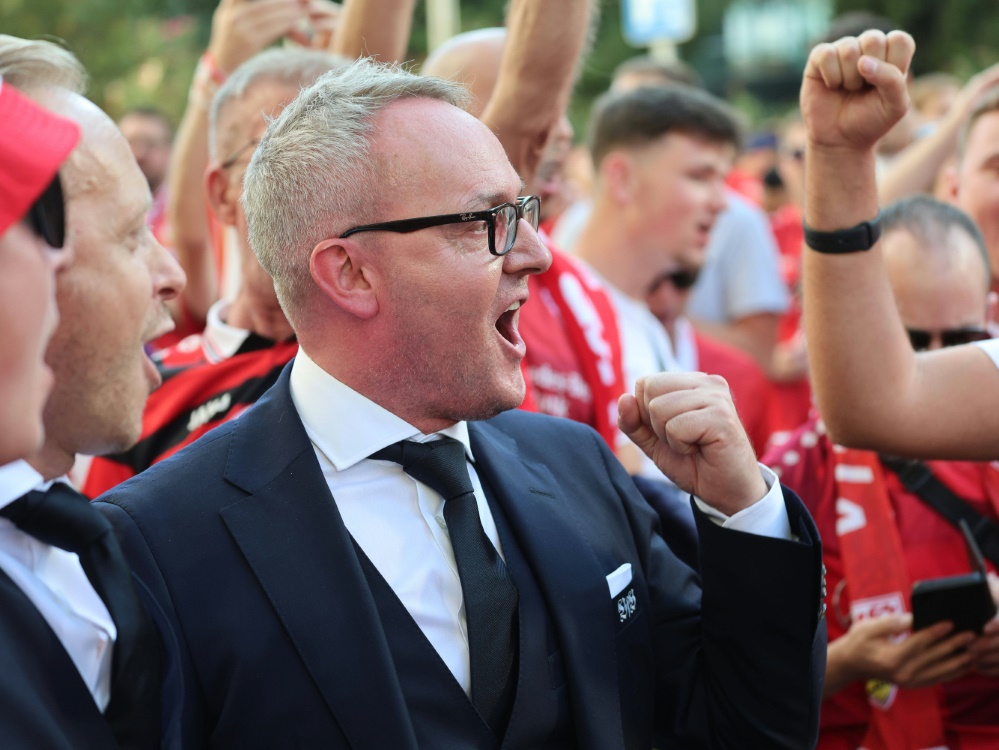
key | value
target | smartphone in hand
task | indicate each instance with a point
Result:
(965, 600)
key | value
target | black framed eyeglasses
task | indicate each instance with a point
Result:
(502, 221)
(47, 215)
(921, 340)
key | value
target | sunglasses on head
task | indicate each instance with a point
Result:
(682, 279)
(921, 340)
(47, 215)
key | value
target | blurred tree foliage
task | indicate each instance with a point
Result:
(143, 52)
(959, 36)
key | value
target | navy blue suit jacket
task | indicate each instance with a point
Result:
(240, 542)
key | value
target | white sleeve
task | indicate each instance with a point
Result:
(991, 347)
(766, 517)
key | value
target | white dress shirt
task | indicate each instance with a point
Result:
(396, 520)
(54, 581)
(399, 522)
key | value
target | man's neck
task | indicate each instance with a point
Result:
(52, 461)
(609, 249)
(265, 319)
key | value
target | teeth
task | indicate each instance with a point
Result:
(514, 306)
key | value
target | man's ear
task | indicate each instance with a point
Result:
(952, 183)
(618, 173)
(337, 268)
(221, 198)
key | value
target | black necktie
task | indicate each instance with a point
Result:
(64, 518)
(490, 594)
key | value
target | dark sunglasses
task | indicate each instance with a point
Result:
(681, 280)
(47, 215)
(921, 340)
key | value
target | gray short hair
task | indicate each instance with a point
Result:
(32, 64)
(294, 66)
(310, 178)
(930, 221)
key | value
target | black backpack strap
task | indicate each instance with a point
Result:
(917, 478)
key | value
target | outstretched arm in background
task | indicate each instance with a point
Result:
(544, 44)
(375, 28)
(916, 168)
(240, 29)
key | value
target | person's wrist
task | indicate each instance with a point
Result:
(862, 236)
(821, 149)
(208, 78)
(740, 495)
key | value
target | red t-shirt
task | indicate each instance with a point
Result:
(746, 380)
(933, 548)
(191, 402)
(553, 367)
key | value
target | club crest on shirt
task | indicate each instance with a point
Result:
(626, 605)
(880, 694)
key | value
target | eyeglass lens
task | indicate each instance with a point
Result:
(507, 219)
(47, 215)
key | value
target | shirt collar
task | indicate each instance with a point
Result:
(346, 426)
(16, 478)
(221, 340)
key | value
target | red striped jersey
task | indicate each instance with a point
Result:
(191, 401)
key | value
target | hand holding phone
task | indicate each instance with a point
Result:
(965, 600)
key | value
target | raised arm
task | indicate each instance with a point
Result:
(873, 390)
(375, 28)
(917, 167)
(544, 44)
(240, 29)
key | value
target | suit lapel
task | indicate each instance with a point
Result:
(569, 576)
(294, 540)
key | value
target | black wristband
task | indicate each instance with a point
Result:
(852, 240)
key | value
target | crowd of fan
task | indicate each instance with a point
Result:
(673, 241)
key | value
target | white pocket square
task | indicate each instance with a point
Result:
(619, 579)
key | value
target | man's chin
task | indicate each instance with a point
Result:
(498, 401)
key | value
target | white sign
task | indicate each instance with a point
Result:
(647, 21)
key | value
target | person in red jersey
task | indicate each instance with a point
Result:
(883, 689)
(213, 376)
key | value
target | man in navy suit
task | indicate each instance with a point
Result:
(330, 589)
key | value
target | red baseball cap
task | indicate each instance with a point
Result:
(33, 144)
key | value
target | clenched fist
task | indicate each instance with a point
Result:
(687, 424)
(854, 90)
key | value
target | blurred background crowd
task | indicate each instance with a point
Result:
(182, 80)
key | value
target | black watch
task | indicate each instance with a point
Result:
(852, 240)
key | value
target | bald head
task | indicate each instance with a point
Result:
(937, 265)
(471, 59)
